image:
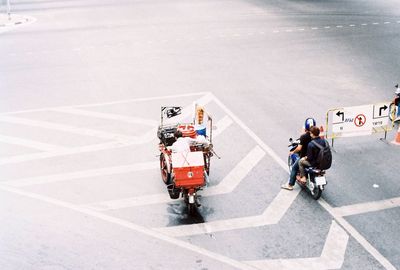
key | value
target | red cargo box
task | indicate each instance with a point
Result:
(188, 168)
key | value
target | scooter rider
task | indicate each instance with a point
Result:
(301, 150)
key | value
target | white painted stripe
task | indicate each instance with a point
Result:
(332, 256)
(222, 125)
(314, 28)
(81, 174)
(367, 207)
(66, 128)
(145, 138)
(31, 144)
(110, 103)
(364, 24)
(119, 118)
(327, 27)
(72, 151)
(339, 26)
(352, 25)
(375, 23)
(272, 215)
(228, 184)
(360, 239)
(132, 226)
(265, 147)
(386, 22)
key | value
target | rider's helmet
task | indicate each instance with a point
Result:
(310, 122)
(397, 92)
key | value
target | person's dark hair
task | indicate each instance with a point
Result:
(178, 134)
(315, 131)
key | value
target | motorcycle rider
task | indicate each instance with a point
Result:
(310, 160)
(300, 150)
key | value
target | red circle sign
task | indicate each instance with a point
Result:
(360, 120)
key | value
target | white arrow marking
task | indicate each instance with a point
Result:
(228, 184)
(332, 256)
(361, 208)
(81, 174)
(272, 215)
(32, 144)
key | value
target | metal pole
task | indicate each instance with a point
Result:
(9, 10)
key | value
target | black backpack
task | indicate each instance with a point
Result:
(324, 158)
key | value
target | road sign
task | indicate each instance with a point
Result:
(353, 119)
(359, 120)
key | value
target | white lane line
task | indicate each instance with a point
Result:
(251, 133)
(272, 215)
(352, 25)
(133, 227)
(375, 23)
(228, 184)
(364, 24)
(367, 207)
(360, 239)
(327, 27)
(339, 26)
(111, 102)
(386, 23)
(314, 28)
(66, 128)
(332, 256)
(32, 144)
(81, 174)
(117, 117)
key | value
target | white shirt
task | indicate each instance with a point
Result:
(182, 144)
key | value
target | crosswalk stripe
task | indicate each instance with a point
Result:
(228, 184)
(32, 144)
(81, 174)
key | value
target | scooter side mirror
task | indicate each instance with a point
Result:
(290, 140)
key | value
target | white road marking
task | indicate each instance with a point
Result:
(386, 23)
(327, 27)
(117, 117)
(352, 25)
(375, 23)
(272, 215)
(110, 103)
(71, 151)
(81, 174)
(145, 138)
(265, 147)
(364, 24)
(314, 28)
(228, 184)
(332, 256)
(32, 144)
(132, 226)
(66, 128)
(222, 124)
(301, 29)
(367, 207)
(339, 26)
(360, 239)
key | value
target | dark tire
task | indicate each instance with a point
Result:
(165, 175)
(191, 208)
(317, 192)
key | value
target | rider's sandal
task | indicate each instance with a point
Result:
(287, 187)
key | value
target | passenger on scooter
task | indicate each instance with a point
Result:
(301, 149)
(310, 160)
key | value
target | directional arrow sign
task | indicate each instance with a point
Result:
(382, 108)
(339, 113)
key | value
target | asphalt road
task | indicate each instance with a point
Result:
(81, 85)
